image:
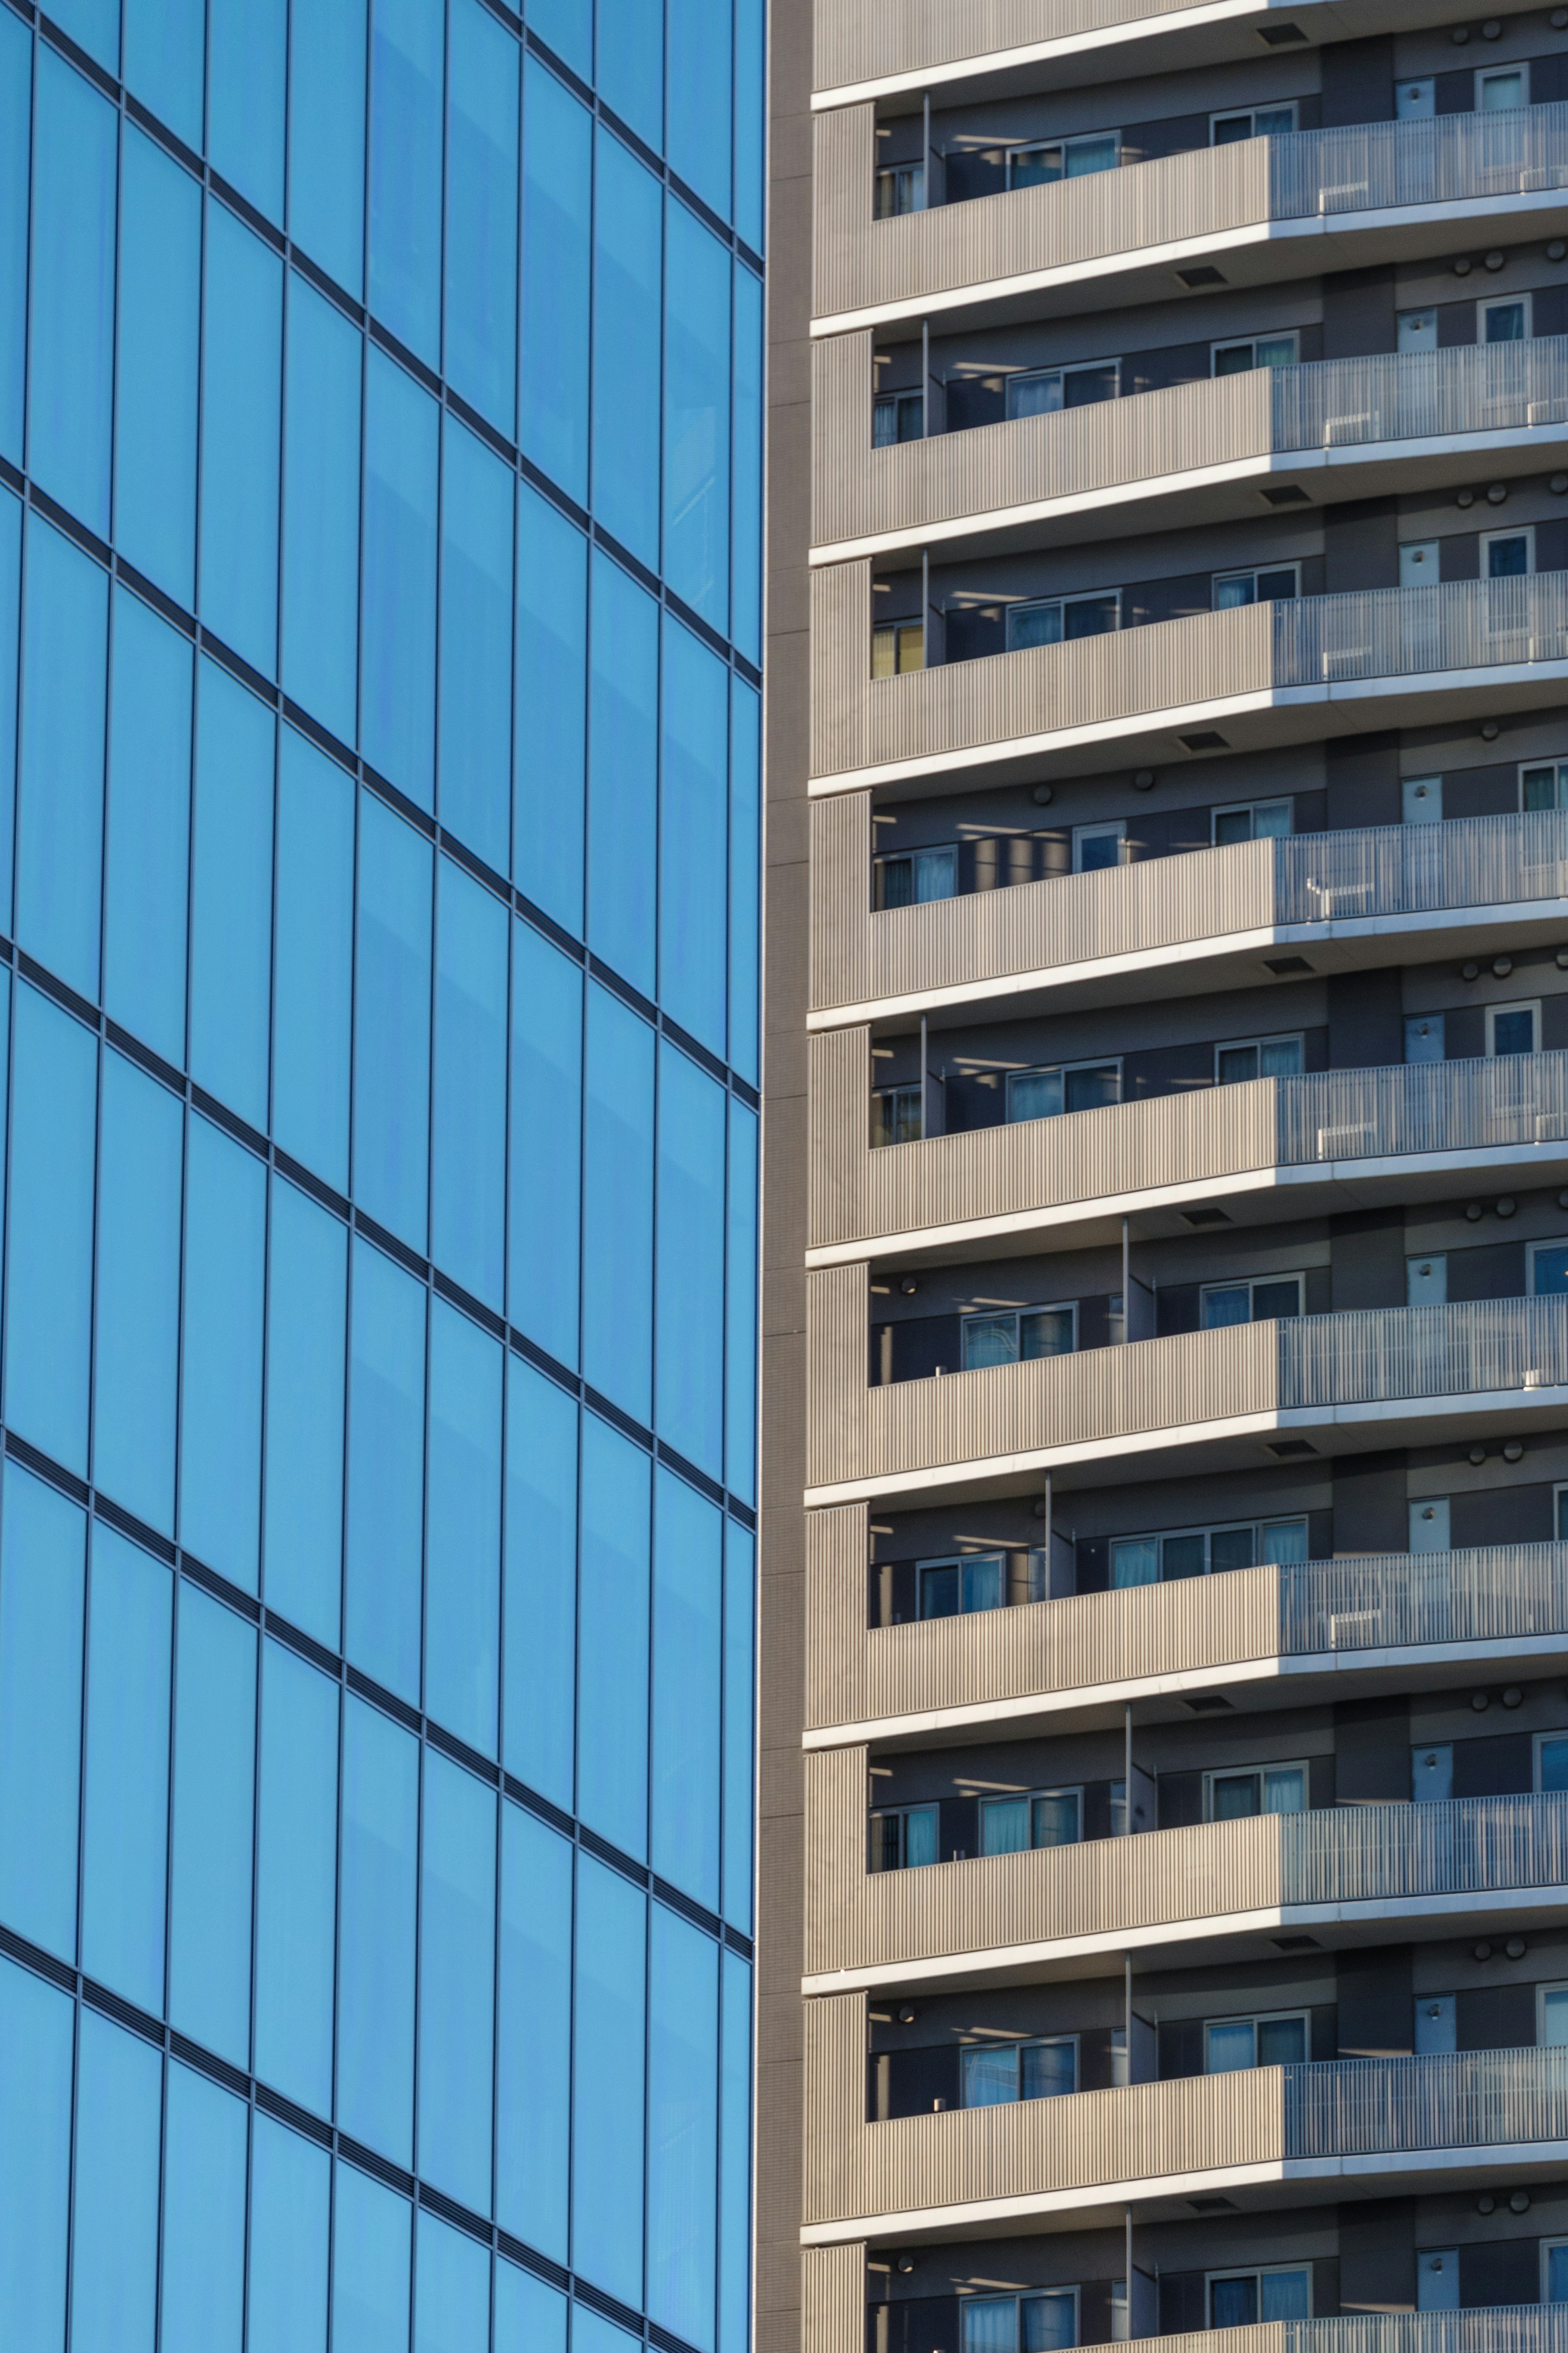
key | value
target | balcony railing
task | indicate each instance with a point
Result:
(1163, 1149)
(1152, 2134)
(1329, 405)
(1301, 649)
(1159, 1635)
(1011, 1416)
(1212, 1875)
(1196, 198)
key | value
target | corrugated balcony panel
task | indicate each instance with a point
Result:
(860, 492)
(1156, 1634)
(1219, 1872)
(833, 2299)
(1240, 888)
(861, 1193)
(1152, 2134)
(865, 40)
(1008, 1413)
(1303, 649)
(1195, 199)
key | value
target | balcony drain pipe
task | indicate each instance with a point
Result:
(1126, 1335)
(922, 1067)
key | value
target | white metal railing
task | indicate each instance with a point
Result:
(1491, 2328)
(1376, 1354)
(1457, 2099)
(1447, 159)
(1418, 395)
(1396, 1601)
(1462, 1846)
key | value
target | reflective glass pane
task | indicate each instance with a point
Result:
(983, 1582)
(1553, 1763)
(1049, 2322)
(1034, 1094)
(990, 2076)
(1184, 1555)
(1554, 2015)
(1135, 1561)
(1047, 1332)
(1274, 1299)
(1283, 1541)
(989, 1340)
(36, 2034)
(1035, 395)
(1284, 1790)
(1241, 588)
(1233, 359)
(1284, 2296)
(1514, 1033)
(1049, 2070)
(1034, 625)
(921, 1836)
(1089, 1090)
(1054, 1820)
(1234, 1794)
(1281, 2042)
(1235, 1064)
(386, 1471)
(1231, 1549)
(939, 1591)
(42, 1607)
(1276, 351)
(1280, 1058)
(1225, 1303)
(1508, 559)
(1233, 2303)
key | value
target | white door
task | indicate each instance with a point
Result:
(1429, 1524)
(1426, 1280)
(1423, 800)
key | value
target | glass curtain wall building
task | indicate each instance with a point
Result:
(380, 389)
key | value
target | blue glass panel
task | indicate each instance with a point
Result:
(136, 1367)
(476, 645)
(551, 686)
(376, 1932)
(623, 774)
(220, 1424)
(608, 2084)
(701, 108)
(740, 1679)
(42, 1595)
(628, 238)
(242, 399)
(745, 870)
(540, 1602)
(326, 145)
(618, 1206)
(36, 2033)
(552, 369)
(48, 1264)
(405, 103)
(456, 1984)
(631, 63)
(613, 1638)
(746, 488)
(290, 2182)
(462, 1588)
(392, 1023)
(452, 2302)
(306, 1341)
(163, 62)
(592, 2334)
(16, 162)
(688, 1608)
(149, 827)
(231, 894)
(481, 212)
(735, 2159)
(214, 1778)
(697, 415)
(741, 1309)
(682, 2126)
(313, 988)
(568, 26)
(751, 82)
(371, 2233)
(534, 2054)
(10, 651)
(59, 830)
(71, 346)
(114, 2234)
(386, 1468)
(546, 1150)
(690, 1365)
(204, 2218)
(155, 409)
(321, 505)
(467, 1179)
(248, 49)
(694, 790)
(529, 2317)
(397, 632)
(125, 1812)
(296, 1879)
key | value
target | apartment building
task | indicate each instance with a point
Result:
(1166, 1725)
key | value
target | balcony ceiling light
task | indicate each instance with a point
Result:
(1490, 29)
(1557, 250)
(1043, 795)
(1519, 2202)
(1478, 1456)
(1507, 1206)
(1494, 260)
(1513, 1696)
(1496, 493)
(1144, 781)
(1465, 499)
(1502, 966)
(1459, 35)
(1463, 266)
(1489, 730)
(1560, 20)
(1516, 1948)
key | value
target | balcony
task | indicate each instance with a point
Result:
(1266, 208)
(1333, 1874)
(1268, 2129)
(1338, 429)
(1309, 1626)
(1100, 937)
(1206, 1400)
(1264, 674)
(1266, 1147)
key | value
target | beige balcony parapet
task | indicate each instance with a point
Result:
(1276, 206)
(1197, 912)
(1294, 1136)
(834, 2279)
(1263, 673)
(1264, 2125)
(1005, 1421)
(1055, 1905)
(1433, 411)
(1307, 1617)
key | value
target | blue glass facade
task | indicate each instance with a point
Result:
(380, 530)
